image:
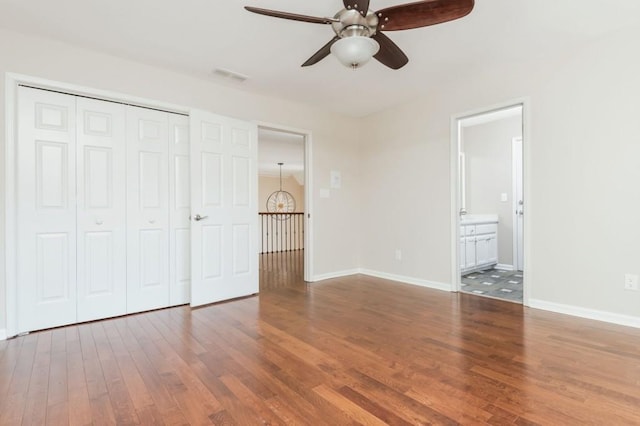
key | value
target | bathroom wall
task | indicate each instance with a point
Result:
(488, 164)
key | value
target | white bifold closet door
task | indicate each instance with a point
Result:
(101, 209)
(46, 210)
(224, 201)
(179, 211)
(71, 210)
(147, 209)
(158, 266)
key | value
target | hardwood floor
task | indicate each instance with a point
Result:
(279, 270)
(343, 351)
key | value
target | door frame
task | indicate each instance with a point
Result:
(456, 186)
(308, 184)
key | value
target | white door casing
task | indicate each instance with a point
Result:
(46, 210)
(224, 237)
(147, 209)
(101, 209)
(179, 211)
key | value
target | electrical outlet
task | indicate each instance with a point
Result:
(398, 254)
(630, 282)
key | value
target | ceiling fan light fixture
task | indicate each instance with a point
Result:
(355, 51)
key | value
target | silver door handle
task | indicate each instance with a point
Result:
(198, 218)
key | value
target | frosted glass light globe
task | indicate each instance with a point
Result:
(355, 51)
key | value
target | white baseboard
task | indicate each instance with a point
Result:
(407, 280)
(3, 334)
(503, 267)
(338, 274)
(593, 314)
(392, 277)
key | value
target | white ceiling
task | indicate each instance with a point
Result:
(197, 36)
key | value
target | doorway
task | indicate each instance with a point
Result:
(283, 206)
(490, 203)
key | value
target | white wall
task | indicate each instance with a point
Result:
(583, 170)
(488, 165)
(333, 136)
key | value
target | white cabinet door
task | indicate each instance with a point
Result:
(179, 211)
(470, 252)
(492, 248)
(486, 249)
(147, 210)
(462, 253)
(101, 208)
(224, 235)
(46, 210)
(482, 250)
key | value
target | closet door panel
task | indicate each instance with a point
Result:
(45, 208)
(147, 209)
(101, 207)
(180, 205)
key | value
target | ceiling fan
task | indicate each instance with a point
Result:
(359, 30)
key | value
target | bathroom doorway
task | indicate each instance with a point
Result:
(490, 203)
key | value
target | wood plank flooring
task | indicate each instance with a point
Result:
(354, 350)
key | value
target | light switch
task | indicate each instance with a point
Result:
(503, 197)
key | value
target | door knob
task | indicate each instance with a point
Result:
(198, 218)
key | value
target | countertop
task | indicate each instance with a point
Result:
(475, 219)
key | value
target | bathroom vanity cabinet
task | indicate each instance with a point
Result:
(478, 244)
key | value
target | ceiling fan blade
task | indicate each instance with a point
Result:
(287, 15)
(422, 14)
(361, 6)
(389, 53)
(322, 53)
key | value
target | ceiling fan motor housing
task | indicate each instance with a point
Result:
(349, 23)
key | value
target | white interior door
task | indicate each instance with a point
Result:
(46, 210)
(180, 209)
(518, 208)
(147, 209)
(101, 209)
(224, 233)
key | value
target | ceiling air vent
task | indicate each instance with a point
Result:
(222, 73)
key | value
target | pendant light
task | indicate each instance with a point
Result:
(281, 201)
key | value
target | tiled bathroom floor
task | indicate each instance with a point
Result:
(494, 283)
